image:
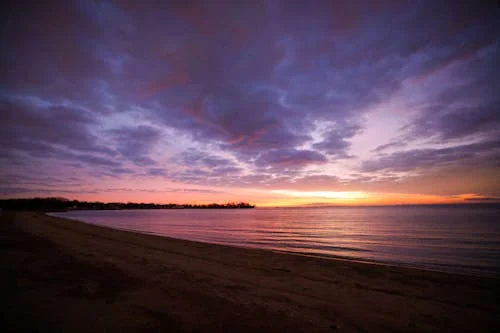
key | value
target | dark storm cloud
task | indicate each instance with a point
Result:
(476, 154)
(252, 78)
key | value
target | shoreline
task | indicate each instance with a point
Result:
(464, 270)
(486, 275)
(141, 282)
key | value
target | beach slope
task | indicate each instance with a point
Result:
(60, 275)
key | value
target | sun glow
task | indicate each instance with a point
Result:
(348, 195)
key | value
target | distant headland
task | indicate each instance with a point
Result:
(63, 204)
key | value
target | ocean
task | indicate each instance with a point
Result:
(462, 239)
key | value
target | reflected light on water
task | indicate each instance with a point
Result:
(462, 239)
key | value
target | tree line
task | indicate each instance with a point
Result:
(63, 204)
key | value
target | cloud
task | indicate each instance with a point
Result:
(310, 183)
(162, 190)
(290, 158)
(47, 131)
(200, 167)
(98, 84)
(156, 172)
(390, 145)
(194, 157)
(52, 52)
(434, 157)
(336, 141)
(468, 107)
(135, 143)
(29, 191)
(483, 199)
(164, 83)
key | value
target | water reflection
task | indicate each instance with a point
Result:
(464, 240)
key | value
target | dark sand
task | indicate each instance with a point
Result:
(58, 275)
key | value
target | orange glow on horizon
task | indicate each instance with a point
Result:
(268, 197)
(367, 199)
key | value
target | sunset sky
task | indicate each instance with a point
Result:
(270, 102)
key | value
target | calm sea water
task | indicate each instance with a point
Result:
(463, 239)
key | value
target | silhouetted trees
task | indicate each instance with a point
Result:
(63, 204)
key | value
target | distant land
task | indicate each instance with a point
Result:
(464, 204)
(63, 204)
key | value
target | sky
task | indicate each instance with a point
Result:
(269, 102)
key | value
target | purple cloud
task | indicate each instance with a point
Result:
(290, 158)
(336, 143)
(48, 131)
(135, 143)
(193, 157)
(98, 84)
(476, 153)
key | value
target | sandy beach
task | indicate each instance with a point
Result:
(60, 275)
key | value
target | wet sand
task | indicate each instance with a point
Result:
(60, 275)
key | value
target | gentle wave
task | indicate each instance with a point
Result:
(463, 239)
